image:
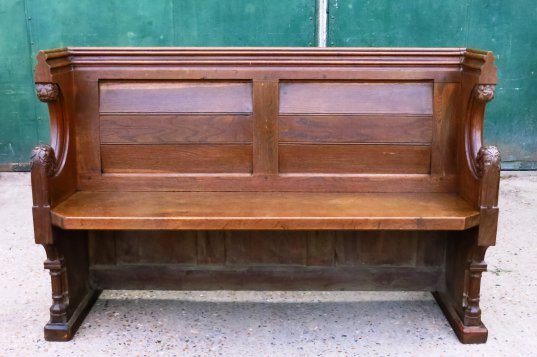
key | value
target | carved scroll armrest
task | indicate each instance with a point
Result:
(488, 170)
(44, 166)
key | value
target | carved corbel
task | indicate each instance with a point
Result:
(47, 92)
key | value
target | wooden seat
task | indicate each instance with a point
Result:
(264, 210)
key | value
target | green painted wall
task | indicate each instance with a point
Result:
(26, 26)
(18, 129)
(509, 28)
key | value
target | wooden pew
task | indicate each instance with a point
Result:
(266, 168)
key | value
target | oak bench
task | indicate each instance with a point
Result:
(265, 168)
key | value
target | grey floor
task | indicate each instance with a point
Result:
(226, 323)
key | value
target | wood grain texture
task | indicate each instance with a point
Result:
(443, 153)
(184, 158)
(281, 247)
(175, 97)
(266, 247)
(355, 128)
(175, 129)
(265, 278)
(352, 159)
(258, 210)
(211, 247)
(359, 98)
(156, 247)
(265, 128)
(305, 182)
(377, 248)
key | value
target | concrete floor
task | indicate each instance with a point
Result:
(153, 323)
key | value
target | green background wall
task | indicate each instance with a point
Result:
(509, 28)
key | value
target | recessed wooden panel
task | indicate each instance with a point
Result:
(155, 247)
(366, 158)
(175, 97)
(356, 128)
(195, 158)
(266, 247)
(170, 129)
(363, 98)
(378, 247)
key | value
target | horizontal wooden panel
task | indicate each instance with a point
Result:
(389, 128)
(263, 210)
(192, 277)
(304, 182)
(175, 97)
(360, 98)
(170, 129)
(304, 158)
(193, 158)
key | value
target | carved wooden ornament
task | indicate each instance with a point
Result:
(487, 156)
(47, 92)
(44, 155)
(485, 92)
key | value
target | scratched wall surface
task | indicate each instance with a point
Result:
(509, 28)
(26, 26)
(18, 129)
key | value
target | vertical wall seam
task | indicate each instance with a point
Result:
(27, 19)
(467, 24)
(322, 22)
(172, 9)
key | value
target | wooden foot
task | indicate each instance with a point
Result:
(64, 331)
(466, 334)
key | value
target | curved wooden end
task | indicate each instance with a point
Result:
(481, 95)
(50, 93)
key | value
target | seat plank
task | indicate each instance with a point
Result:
(264, 210)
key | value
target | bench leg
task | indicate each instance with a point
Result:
(72, 297)
(460, 300)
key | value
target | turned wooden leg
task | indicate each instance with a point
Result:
(459, 300)
(72, 297)
(476, 266)
(58, 278)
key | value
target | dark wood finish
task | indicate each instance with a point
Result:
(266, 131)
(181, 158)
(175, 97)
(266, 168)
(354, 159)
(176, 129)
(311, 248)
(352, 128)
(265, 278)
(361, 98)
